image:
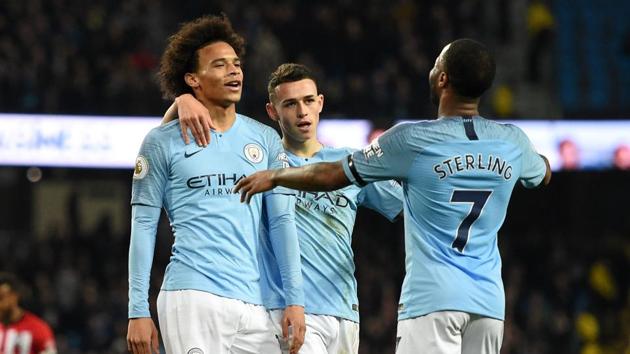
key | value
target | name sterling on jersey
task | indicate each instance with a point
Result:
(459, 163)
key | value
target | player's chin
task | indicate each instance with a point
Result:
(232, 98)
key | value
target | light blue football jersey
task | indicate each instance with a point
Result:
(457, 175)
(216, 242)
(325, 221)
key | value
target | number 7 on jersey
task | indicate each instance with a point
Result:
(478, 198)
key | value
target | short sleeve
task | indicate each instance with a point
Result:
(385, 197)
(151, 171)
(387, 157)
(277, 156)
(533, 167)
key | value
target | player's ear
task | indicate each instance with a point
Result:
(191, 80)
(443, 79)
(271, 111)
(321, 102)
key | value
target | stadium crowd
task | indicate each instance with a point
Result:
(100, 57)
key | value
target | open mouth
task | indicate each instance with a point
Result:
(304, 126)
(235, 85)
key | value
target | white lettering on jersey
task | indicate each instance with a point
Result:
(15, 340)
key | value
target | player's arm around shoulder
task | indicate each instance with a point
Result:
(192, 115)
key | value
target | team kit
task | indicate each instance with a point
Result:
(262, 258)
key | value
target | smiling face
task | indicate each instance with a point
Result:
(219, 77)
(296, 106)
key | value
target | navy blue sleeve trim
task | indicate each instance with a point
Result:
(355, 174)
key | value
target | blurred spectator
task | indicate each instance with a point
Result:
(20, 330)
(540, 23)
(503, 101)
(621, 157)
(569, 154)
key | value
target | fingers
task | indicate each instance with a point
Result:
(206, 122)
(140, 347)
(238, 187)
(197, 130)
(184, 128)
(244, 187)
(299, 330)
(285, 327)
(200, 136)
(155, 341)
(248, 196)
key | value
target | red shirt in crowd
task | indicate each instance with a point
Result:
(29, 335)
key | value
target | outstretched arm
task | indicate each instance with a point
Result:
(323, 176)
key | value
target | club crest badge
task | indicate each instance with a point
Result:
(253, 152)
(141, 168)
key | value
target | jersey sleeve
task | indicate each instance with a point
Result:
(387, 157)
(277, 156)
(144, 221)
(280, 211)
(151, 171)
(533, 167)
(385, 197)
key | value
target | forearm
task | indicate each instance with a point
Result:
(171, 113)
(323, 176)
(547, 177)
(141, 248)
(283, 236)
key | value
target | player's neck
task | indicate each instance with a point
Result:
(302, 148)
(222, 117)
(453, 105)
(12, 316)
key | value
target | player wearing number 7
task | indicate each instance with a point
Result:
(458, 173)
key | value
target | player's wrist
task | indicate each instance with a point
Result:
(276, 176)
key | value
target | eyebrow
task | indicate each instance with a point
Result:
(289, 100)
(234, 59)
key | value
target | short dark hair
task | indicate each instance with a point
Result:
(13, 282)
(470, 67)
(289, 72)
(181, 54)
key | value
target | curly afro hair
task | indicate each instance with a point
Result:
(181, 57)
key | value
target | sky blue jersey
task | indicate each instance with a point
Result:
(325, 221)
(457, 175)
(216, 236)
